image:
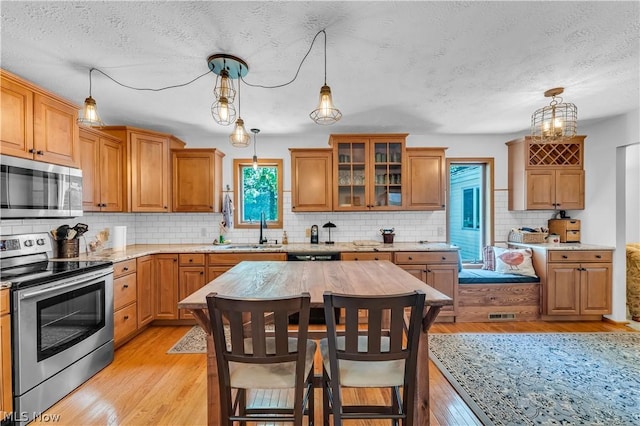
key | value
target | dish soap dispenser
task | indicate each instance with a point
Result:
(314, 234)
(285, 239)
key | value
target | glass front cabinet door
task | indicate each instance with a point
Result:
(368, 171)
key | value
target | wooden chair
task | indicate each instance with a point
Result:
(379, 354)
(253, 358)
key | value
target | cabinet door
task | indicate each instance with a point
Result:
(194, 180)
(595, 288)
(149, 162)
(569, 190)
(444, 278)
(6, 394)
(541, 192)
(192, 278)
(425, 184)
(385, 180)
(111, 175)
(311, 184)
(563, 289)
(418, 271)
(351, 174)
(214, 272)
(166, 281)
(16, 119)
(55, 136)
(145, 290)
(90, 165)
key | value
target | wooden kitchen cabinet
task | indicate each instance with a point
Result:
(124, 301)
(191, 278)
(425, 185)
(147, 162)
(367, 256)
(166, 281)
(145, 289)
(576, 284)
(311, 180)
(101, 161)
(546, 176)
(437, 269)
(37, 124)
(6, 392)
(197, 180)
(368, 171)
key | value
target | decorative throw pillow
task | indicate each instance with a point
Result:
(514, 261)
(488, 258)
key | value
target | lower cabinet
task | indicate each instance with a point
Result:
(366, 256)
(438, 269)
(191, 277)
(146, 290)
(576, 285)
(125, 322)
(6, 395)
(166, 281)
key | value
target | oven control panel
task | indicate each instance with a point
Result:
(20, 245)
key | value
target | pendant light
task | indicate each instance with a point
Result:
(255, 156)
(89, 114)
(326, 112)
(554, 122)
(227, 67)
(239, 138)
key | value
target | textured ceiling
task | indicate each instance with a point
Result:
(417, 67)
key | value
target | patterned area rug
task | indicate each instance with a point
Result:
(194, 342)
(544, 379)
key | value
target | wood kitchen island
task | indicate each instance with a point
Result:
(278, 279)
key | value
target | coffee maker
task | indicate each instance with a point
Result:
(314, 234)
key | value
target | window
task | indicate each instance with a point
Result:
(471, 208)
(256, 192)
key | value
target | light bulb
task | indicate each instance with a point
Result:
(326, 113)
(255, 162)
(224, 109)
(89, 115)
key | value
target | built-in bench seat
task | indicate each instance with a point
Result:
(485, 296)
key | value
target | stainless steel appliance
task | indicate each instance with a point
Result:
(35, 189)
(61, 321)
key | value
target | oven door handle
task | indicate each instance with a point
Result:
(62, 286)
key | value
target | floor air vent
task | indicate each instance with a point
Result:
(501, 316)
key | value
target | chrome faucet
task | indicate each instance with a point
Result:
(263, 226)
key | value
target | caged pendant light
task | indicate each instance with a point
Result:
(89, 114)
(554, 122)
(227, 68)
(239, 138)
(326, 112)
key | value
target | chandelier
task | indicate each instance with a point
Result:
(555, 122)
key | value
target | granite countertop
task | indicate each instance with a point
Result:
(563, 246)
(138, 250)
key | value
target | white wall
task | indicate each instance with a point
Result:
(632, 191)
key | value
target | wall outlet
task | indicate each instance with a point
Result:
(307, 232)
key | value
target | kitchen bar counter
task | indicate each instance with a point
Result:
(138, 250)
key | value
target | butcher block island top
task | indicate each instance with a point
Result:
(276, 279)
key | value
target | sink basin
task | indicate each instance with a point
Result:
(249, 246)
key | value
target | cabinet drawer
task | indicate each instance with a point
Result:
(571, 237)
(579, 256)
(233, 258)
(366, 256)
(4, 301)
(124, 291)
(124, 322)
(423, 257)
(124, 267)
(572, 225)
(191, 259)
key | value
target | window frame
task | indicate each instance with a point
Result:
(238, 165)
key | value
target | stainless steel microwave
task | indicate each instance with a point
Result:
(32, 189)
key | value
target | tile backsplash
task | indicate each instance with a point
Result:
(203, 228)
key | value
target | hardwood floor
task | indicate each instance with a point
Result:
(146, 386)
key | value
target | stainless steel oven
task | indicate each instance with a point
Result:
(62, 322)
(35, 189)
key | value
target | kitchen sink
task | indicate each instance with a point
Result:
(249, 246)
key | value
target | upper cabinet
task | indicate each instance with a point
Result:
(546, 176)
(368, 172)
(101, 160)
(197, 180)
(148, 167)
(37, 124)
(426, 178)
(311, 183)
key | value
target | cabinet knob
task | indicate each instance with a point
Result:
(564, 256)
(40, 152)
(190, 260)
(165, 207)
(375, 258)
(126, 268)
(410, 258)
(443, 258)
(125, 286)
(201, 273)
(428, 270)
(126, 317)
(598, 256)
(32, 151)
(355, 258)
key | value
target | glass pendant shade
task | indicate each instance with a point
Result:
(255, 162)
(223, 112)
(326, 113)
(89, 114)
(239, 138)
(554, 122)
